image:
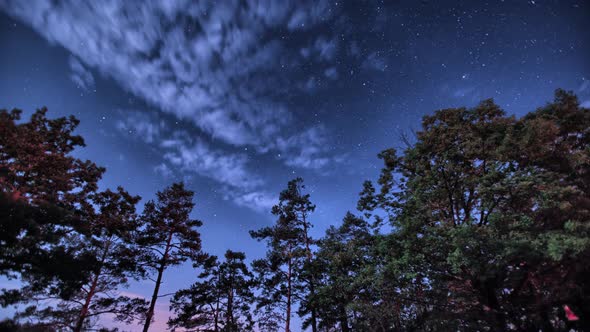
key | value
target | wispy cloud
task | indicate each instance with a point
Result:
(80, 75)
(331, 73)
(142, 125)
(211, 63)
(308, 149)
(584, 92)
(198, 157)
(376, 62)
(188, 155)
(584, 86)
(219, 68)
(258, 200)
(164, 170)
(323, 49)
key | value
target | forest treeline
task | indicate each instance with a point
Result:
(481, 223)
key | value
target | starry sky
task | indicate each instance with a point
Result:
(237, 97)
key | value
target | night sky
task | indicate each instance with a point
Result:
(237, 98)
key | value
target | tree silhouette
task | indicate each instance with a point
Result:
(43, 192)
(170, 236)
(109, 240)
(112, 241)
(220, 301)
(281, 273)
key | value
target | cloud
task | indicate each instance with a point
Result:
(375, 61)
(331, 73)
(322, 49)
(583, 91)
(584, 86)
(308, 13)
(326, 48)
(354, 50)
(212, 63)
(142, 125)
(164, 170)
(307, 149)
(310, 85)
(81, 76)
(221, 68)
(198, 157)
(190, 155)
(257, 200)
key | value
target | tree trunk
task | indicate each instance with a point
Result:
(217, 315)
(288, 318)
(150, 313)
(343, 320)
(217, 301)
(314, 325)
(84, 311)
(230, 312)
(161, 268)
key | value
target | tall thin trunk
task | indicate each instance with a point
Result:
(314, 325)
(289, 273)
(217, 314)
(230, 311)
(217, 302)
(161, 268)
(92, 291)
(343, 320)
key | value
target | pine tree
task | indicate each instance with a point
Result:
(344, 256)
(109, 240)
(112, 241)
(284, 275)
(220, 301)
(43, 191)
(170, 236)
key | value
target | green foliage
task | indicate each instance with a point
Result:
(491, 212)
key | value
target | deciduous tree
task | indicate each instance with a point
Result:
(490, 214)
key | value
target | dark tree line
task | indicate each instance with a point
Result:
(481, 222)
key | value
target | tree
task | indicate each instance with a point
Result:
(288, 261)
(43, 190)
(109, 239)
(53, 219)
(490, 218)
(170, 236)
(112, 241)
(345, 256)
(220, 301)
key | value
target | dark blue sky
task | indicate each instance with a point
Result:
(236, 98)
